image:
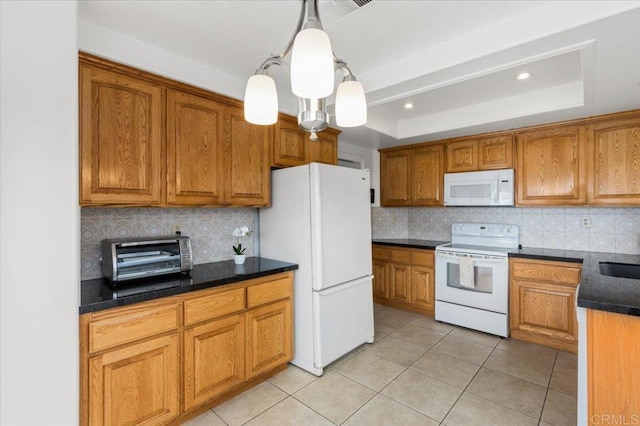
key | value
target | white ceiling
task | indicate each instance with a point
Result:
(455, 60)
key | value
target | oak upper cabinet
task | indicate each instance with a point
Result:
(542, 302)
(289, 147)
(325, 149)
(613, 376)
(614, 161)
(194, 149)
(395, 178)
(494, 152)
(427, 174)
(551, 166)
(247, 164)
(120, 139)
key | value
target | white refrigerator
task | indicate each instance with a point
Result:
(320, 218)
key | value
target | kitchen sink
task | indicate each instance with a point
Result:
(623, 270)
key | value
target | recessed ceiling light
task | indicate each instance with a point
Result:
(523, 76)
(408, 105)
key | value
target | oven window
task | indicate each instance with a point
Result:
(482, 277)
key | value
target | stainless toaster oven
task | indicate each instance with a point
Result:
(131, 258)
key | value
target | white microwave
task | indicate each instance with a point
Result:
(485, 188)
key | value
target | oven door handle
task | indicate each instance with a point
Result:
(457, 257)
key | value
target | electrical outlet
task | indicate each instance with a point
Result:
(394, 219)
(586, 222)
(177, 228)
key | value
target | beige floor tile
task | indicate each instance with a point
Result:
(521, 366)
(518, 394)
(432, 324)
(387, 323)
(382, 411)
(476, 336)
(567, 360)
(370, 371)
(290, 412)
(208, 418)
(292, 379)
(397, 351)
(471, 410)
(334, 396)
(560, 409)
(463, 349)
(335, 364)
(400, 315)
(445, 368)
(529, 349)
(424, 394)
(249, 404)
(564, 380)
(418, 335)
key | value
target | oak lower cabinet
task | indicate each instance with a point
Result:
(613, 367)
(542, 302)
(164, 361)
(404, 278)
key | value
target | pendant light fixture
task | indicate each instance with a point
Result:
(312, 71)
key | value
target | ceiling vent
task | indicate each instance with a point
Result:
(339, 9)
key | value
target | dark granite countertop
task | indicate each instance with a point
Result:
(407, 242)
(99, 294)
(549, 254)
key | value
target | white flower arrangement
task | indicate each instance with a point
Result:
(240, 232)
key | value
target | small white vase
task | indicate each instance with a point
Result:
(239, 258)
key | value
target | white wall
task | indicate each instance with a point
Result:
(39, 214)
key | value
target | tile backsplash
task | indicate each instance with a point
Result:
(614, 230)
(209, 229)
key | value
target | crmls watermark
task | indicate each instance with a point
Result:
(615, 419)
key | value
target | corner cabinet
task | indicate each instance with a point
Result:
(121, 138)
(149, 141)
(412, 177)
(542, 302)
(404, 278)
(169, 359)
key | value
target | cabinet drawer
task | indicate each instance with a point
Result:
(212, 306)
(422, 258)
(269, 292)
(130, 324)
(400, 255)
(546, 271)
(380, 253)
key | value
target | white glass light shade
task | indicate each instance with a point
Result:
(312, 64)
(351, 104)
(261, 100)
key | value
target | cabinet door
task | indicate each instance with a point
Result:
(194, 149)
(613, 367)
(422, 287)
(495, 153)
(395, 182)
(400, 283)
(544, 313)
(120, 139)
(269, 337)
(379, 279)
(551, 166)
(462, 156)
(213, 359)
(324, 150)
(615, 162)
(247, 166)
(427, 176)
(135, 385)
(290, 143)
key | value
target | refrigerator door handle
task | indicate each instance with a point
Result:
(345, 286)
